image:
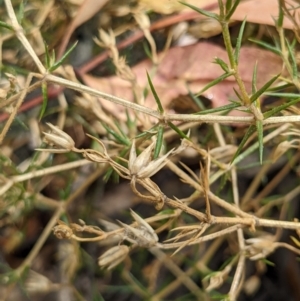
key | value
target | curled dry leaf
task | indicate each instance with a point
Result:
(62, 230)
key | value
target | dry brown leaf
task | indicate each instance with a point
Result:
(171, 6)
(86, 11)
(192, 65)
(262, 12)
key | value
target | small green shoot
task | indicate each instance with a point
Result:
(60, 61)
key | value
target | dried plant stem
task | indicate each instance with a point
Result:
(15, 110)
(39, 173)
(256, 182)
(133, 284)
(250, 150)
(167, 117)
(61, 209)
(237, 281)
(203, 238)
(41, 240)
(201, 265)
(211, 196)
(180, 275)
(20, 35)
(284, 199)
(288, 246)
(233, 65)
(17, 96)
(240, 269)
(275, 181)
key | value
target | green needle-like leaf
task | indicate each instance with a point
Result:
(20, 14)
(232, 10)
(159, 142)
(278, 109)
(249, 132)
(239, 43)
(267, 46)
(149, 133)
(260, 134)
(279, 21)
(177, 130)
(293, 60)
(45, 100)
(222, 64)
(228, 6)
(214, 82)
(283, 95)
(47, 56)
(201, 11)
(254, 79)
(5, 25)
(117, 136)
(228, 107)
(59, 62)
(159, 105)
(196, 100)
(239, 96)
(263, 88)
(222, 9)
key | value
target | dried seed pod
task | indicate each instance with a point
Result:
(59, 138)
(260, 247)
(142, 166)
(143, 235)
(113, 257)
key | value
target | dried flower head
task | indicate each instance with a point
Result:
(218, 278)
(106, 40)
(142, 20)
(260, 247)
(142, 166)
(113, 257)
(143, 235)
(58, 138)
(37, 283)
